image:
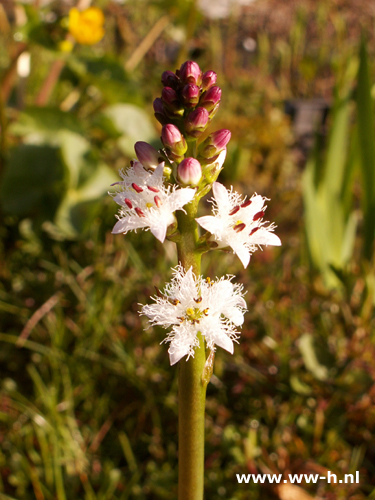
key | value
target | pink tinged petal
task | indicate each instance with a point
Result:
(213, 225)
(221, 158)
(176, 354)
(243, 254)
(222, 340)
(159, 231)
(180, 197)
(235, 316)
(157, 175)
(128, 224)
(221, 196)
(241, 302)
(188, 283)
(139, 170)
(265, 237)
(256, 205)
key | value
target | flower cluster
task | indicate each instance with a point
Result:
(188, 102)
(161, 182)
(238, 223)
(146, 202)
(193, 305)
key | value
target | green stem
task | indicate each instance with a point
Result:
(192, 390)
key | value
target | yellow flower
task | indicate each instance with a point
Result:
(86, 26)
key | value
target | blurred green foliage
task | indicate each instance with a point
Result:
(88, 402)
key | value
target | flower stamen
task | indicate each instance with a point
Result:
(246, 204)
(137, 188)
(254, 231)
(240, 226)
(140, 213)
(258, 215)
(234, 210)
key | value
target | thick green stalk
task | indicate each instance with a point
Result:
(192, 391)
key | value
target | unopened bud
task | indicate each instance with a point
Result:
(173, 139)
(208, 79)
(211, 98)
(189, 172)
(190, 72)
(170, 79)
(159, 111)
(147, 155)
(215, 143)
(170, 100)
(190, 95)
(196, 122)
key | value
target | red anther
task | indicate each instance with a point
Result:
(153, 189)
(128, 202)
(254, 230)
(258, 215)
(131, 163)
(234, 210)
(157, 201)
(246, 204)
(139, 212)
(239, 227)
(137, 188)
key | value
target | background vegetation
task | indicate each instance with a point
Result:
(88, 402)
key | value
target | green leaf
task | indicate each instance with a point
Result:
(41, 125)
(312, 357)
(133, 123)
(80, 205)
(327, 192)
(366, 139)
(34, 181)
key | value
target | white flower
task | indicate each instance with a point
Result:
(238, 223)
(146, 203)
(191, 305)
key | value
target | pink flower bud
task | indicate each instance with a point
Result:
(190, 95)
(208, 79)
(173, 139)
(169, 97)
(211, 98)
(189, 172)
(159, 111)
(147, 155)
(190, 72)
(220, 138)
(170, 79)
(215, 143)
(196, 122)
